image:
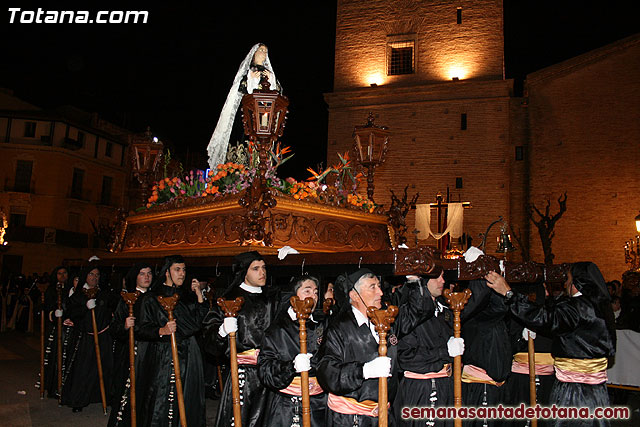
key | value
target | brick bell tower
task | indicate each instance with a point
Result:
(433, 72)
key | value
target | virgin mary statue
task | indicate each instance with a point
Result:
(255, 65)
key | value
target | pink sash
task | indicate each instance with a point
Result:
(474, 374)
(585, 371)
(444, 372)
(295, 388)
(349, 406)
(248, 357)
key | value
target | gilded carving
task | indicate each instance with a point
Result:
(301, 228)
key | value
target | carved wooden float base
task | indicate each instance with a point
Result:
(213, 229)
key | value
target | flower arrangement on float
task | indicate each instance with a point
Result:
(336, 184)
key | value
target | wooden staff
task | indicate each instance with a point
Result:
(59, 288)
(230, 309)
(169, 303)
(303, 309)
(42, 287)
(91, 294)
(457, 301)
(532, 376)
(130, 299)
(382, 320)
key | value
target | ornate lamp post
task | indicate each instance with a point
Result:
(146, 152)
(371, 144)
(263, 115)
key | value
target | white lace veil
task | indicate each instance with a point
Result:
(217, 148)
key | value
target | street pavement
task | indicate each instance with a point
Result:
(20, 403)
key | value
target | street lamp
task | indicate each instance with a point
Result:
(264, 113)
(146, 154)
(638, 223)
(370, 146)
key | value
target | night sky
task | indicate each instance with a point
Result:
(174, 72)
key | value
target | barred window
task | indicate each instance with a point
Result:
(401, 57)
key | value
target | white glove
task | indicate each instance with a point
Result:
(455, 346)
(229, 325)
(379, 367)
(472, 254)
(286, 250)
(526, 332)
(302, 362)
(58, 313)
(91, 304)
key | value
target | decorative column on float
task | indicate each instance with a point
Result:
(263, 115)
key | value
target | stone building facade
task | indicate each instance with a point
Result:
(433, 72)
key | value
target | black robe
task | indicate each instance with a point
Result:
(81, 384)
(578, 332)
(487, 346)
(120, 394)
(425, 350)
(347, 347)
(281, 344)
(254, 318)
(155, 387)
(51, 343)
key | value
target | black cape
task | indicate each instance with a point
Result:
(81, 385)
(254, 318)
(156, 390)
(577, 332)
(347, 347)
(51, 344)
(425, 350)
(281, 344)
(120, 394)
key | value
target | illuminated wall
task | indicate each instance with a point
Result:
(445, 133)
(444, 48)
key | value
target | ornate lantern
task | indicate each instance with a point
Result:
(146, 155)
(371, 144)
(263, 115)
(504, 239)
